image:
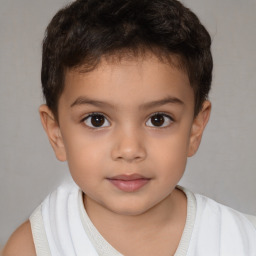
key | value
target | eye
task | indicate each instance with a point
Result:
(159, 120)
(96, 120)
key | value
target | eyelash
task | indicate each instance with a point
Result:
(93, 114)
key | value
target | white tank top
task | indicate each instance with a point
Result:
(61, 227)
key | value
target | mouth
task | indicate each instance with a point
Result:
(129, 183)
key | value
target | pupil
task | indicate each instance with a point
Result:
(157, 120)
(97, 120)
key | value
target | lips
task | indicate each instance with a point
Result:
(129, 183)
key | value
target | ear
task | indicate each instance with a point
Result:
(199, 123)
(53, 132)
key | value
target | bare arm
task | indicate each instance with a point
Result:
(21, 242)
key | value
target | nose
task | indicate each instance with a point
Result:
(129, 146)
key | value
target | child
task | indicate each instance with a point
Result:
(126, 86)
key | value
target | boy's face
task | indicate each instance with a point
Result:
(126, 130)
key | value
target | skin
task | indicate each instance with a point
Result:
(126, 95)
(20, 243)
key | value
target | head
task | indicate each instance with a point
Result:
(126, 86)
(84, 32)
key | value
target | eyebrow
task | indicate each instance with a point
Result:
(87, 101)
(164, 101)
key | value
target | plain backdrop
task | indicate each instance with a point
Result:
(224, 167)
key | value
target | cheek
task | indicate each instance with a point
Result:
(170, 154)
(84, 156)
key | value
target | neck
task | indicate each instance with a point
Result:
(169, 211)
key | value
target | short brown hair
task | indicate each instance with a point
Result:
(86, 30)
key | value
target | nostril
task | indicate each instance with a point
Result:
(129, 151)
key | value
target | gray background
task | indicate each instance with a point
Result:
(223, 169)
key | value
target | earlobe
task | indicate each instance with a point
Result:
(198, 127)
(53, 132)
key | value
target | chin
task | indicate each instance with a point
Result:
(131, 210)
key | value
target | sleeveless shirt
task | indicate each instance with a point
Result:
(61, 227)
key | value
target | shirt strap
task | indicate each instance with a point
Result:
(39, 234)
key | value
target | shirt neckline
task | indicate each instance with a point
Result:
(104, 248)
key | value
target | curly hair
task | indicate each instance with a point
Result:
(85, 31)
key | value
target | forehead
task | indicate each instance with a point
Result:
(137, 79)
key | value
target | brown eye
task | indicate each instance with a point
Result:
(159, 120)
(96, 121)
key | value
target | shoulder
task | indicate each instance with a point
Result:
(224, 220)
(206, 204)
(21, 242)
(217, 227)
(251, 218)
